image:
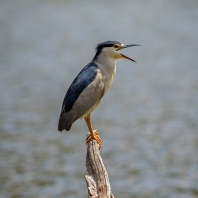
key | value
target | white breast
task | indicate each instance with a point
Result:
(108, 70)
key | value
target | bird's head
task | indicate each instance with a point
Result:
(111, 49)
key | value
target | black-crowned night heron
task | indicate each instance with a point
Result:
(90, 85)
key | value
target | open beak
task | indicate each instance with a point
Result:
(125, 46)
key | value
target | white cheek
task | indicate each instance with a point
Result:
(109, 51)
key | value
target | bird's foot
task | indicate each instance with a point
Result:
(95, 137)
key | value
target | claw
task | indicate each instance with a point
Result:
(95, 137)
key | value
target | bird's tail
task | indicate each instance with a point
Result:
(65, 122)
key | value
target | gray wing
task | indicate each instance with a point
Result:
(86, 90)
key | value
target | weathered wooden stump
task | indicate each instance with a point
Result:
(97, 181)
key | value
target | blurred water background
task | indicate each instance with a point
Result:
(148, 120)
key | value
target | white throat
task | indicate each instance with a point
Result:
(107, 66)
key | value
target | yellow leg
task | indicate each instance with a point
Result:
(93, 134)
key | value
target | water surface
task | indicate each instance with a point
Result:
(148, 120)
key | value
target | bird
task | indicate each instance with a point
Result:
(89, 87)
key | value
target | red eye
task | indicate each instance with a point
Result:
(116, 46)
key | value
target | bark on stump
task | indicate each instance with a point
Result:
(97, 181)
